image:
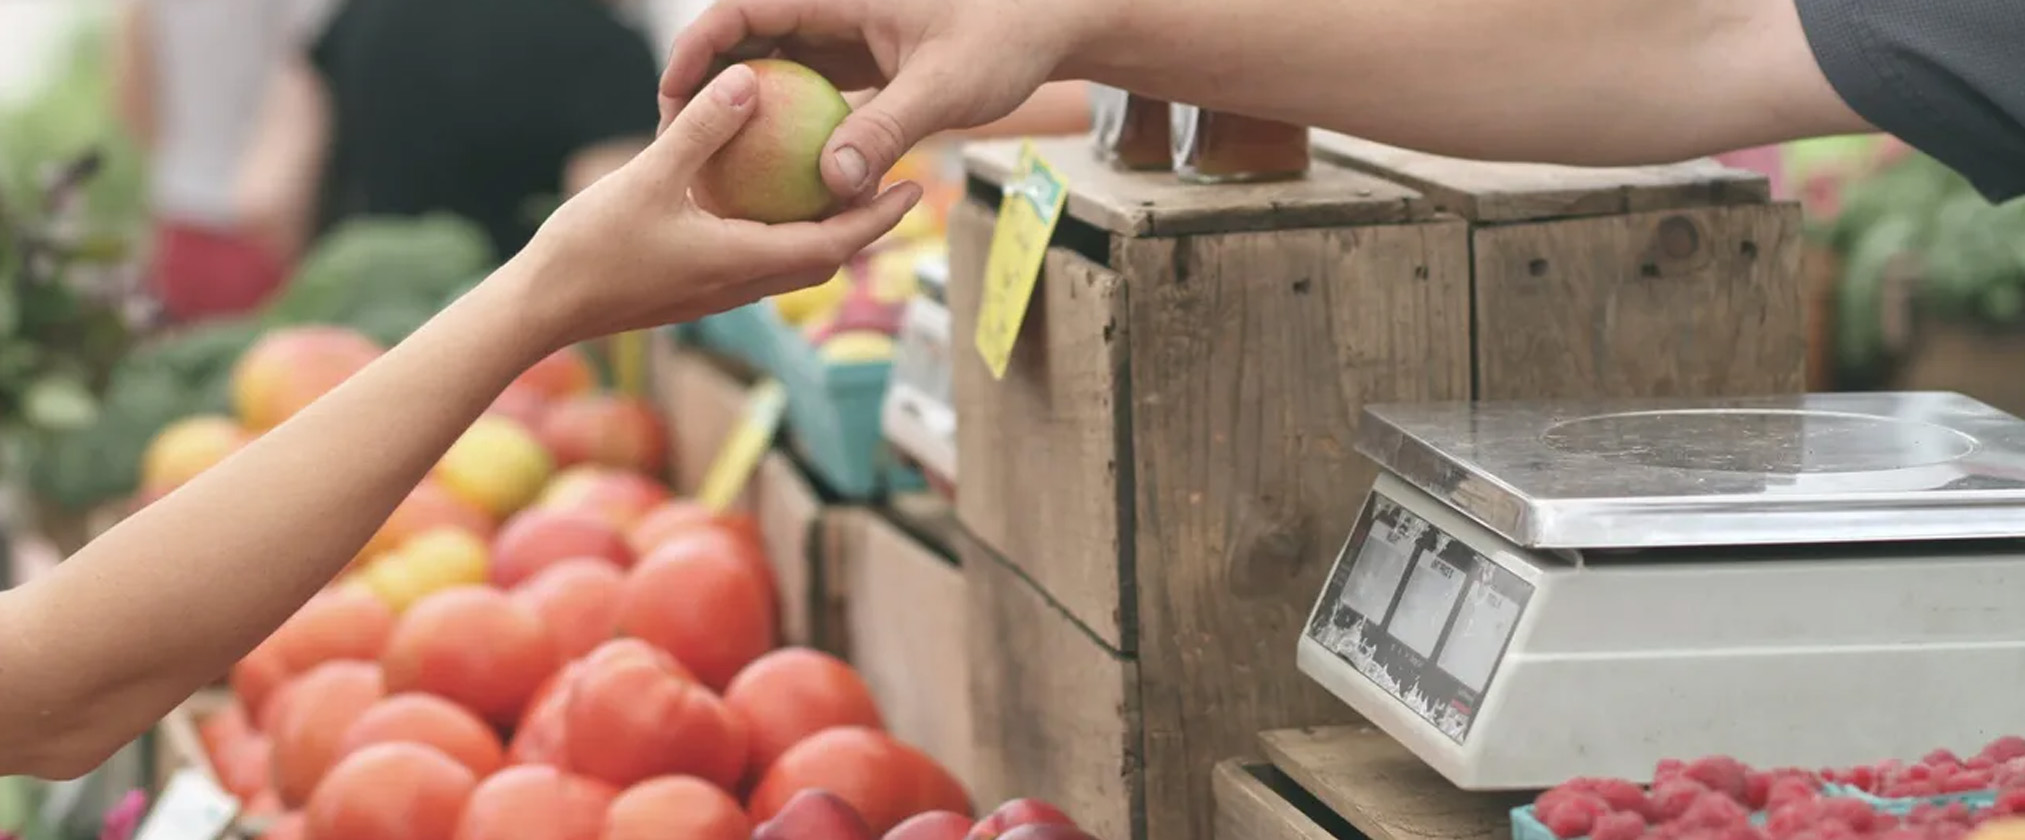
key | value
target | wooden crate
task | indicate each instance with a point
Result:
(1255, 801)
(1383, 792)
(1680, 280)
(904, 608)
(1159, 483)
(799, 530)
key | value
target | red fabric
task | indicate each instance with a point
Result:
(202, 272)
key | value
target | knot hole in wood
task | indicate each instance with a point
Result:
(1675, 249)
(1269, 546)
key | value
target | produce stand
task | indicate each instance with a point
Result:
(1151, 490)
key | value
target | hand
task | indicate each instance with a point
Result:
(939, 64)
(633, 250)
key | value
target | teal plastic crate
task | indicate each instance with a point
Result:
(747, 334)
(1526, 824)
(833, 416)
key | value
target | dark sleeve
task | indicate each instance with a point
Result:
(610, 85)
(1945, 76)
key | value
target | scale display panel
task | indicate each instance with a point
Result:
(1420, 614)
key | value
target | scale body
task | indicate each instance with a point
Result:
(1540, 591)
(918, 416)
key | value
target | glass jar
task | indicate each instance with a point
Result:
(1217, 147)
(1131, 131)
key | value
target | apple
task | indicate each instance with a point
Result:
(815, 815)
(1015, 813)
(771, 171)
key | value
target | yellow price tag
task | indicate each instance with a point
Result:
(1026, 220)
(729, 474)
(629, 362)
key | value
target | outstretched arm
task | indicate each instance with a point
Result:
(1557, 81)
(98, 650)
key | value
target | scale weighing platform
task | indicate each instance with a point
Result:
(1540, 591)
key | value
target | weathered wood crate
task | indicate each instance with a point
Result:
(1349, 782)
(904, 606)
(1158, 485)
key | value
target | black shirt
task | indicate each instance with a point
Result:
(474, 106)
(1946, 76)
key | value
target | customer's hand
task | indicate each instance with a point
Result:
(633, 250)
(940, 64)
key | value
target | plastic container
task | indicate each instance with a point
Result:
(747, 334)
(833, 414)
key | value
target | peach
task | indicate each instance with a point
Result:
(497, 464)
(563, 373)
(536, 539)
(608, 429)
(619, 496)
(186, 448)
(289, 368)
(771, 170)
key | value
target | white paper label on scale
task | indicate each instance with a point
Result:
(192, 807)
(1422, 615)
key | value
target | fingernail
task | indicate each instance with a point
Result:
(735, 86)
(851, 165)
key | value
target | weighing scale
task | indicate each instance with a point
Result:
(918, 417)
(1539, 591)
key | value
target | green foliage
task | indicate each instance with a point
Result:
(1918, 217)
(383, 277)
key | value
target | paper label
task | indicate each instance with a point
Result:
(192, 807)
(1026, 220)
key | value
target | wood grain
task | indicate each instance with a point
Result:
(1055, 712)
(1040, 448)
(1689, 303)
(1385, 791)
(703, 401)
(1491, 192)
(789, 514)
(1252, 356)
(1158, 204)
(1256, 802)
(905, 607)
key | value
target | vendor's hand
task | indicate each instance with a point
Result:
(939, 64)
(633, 250)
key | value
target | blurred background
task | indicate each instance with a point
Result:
(166, 193)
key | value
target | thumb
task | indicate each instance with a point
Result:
(706, 122)
(874, 137)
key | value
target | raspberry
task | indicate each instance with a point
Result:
(2004, 749)
(1667, 770)
(1941, 758)
(1980, 762)
(2010, 802)
(1722, 774)
(1965, 780)
(1714, 810)
(1901, 833)
(1791, 820)
(1622, 795)
(1621, 825)
(1670, 799)
(1789, 790)
(1909, 789)
(1571, 815)
(1850, 812)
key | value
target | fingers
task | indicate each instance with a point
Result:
(824, 245)
(920, 101)
(706, 122)
(734, 29)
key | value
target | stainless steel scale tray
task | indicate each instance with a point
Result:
(1814, 468)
